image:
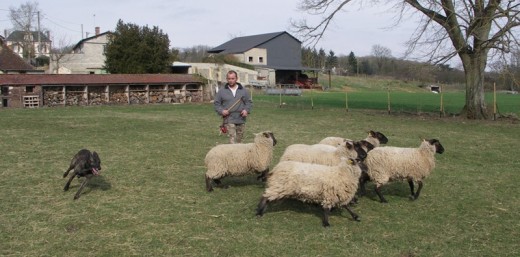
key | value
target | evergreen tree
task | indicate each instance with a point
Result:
(352, 63)
(331, 60)
(135, 50)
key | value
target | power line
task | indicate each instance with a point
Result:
(61, 26)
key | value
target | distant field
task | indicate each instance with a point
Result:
(150, 199)
(416, 102)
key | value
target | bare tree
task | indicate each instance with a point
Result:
(23, 19)
(382, 55)
(61, 53)
(470, 29)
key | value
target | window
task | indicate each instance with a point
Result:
(29, 89)
(250, 58)
(261, 59)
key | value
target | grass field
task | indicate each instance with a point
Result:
(151, 199)
(400, 101)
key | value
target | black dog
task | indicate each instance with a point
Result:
(85, 164)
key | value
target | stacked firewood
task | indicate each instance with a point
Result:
(137, 97)
(52, 98)
(118, 97)
(75, 98)
(97, 98)
(157, 97)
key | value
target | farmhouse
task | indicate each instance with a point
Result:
(11, 63)
(29, 43)
(37, 90)
(87, 57)
(275, 56)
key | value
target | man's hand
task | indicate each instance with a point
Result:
(243, 113)
(225, 113)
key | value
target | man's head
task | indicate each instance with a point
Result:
(231, 78)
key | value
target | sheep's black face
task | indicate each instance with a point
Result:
(382, 138)
(270, 135)
(367, 145)
(358, 147)
(438, 147)
(95, 163)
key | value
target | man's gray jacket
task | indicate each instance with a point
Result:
(225, 99)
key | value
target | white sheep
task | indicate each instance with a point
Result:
(375, 138)
(240, 159)
(323, 154)
(397, 163)
(329, 186)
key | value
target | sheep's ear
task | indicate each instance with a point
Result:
(349, 144)
(371, 133)
(351, 161)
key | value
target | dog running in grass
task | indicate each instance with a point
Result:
(85, 164)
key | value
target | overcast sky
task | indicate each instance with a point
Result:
(213, 22)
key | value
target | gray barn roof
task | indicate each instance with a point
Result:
(18, 36)
(242, 44)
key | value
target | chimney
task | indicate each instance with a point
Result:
(97, 31)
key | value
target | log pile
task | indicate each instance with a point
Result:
(97, 96)
(158, 97)
(118, 96)
(75, 98)
(101, 95)
(53, 96)
(137, 97)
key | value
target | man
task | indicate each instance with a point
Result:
(233, 103)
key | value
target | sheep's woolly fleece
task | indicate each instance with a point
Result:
(375, 138)
(240, 159)
(392, 163)
(329, 186)
(319, 153)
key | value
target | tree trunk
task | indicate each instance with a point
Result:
(475, 107)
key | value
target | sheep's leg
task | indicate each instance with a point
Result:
(326, 213)
(69, 181)
(378, 192)
(219, 183)
(263, 175)
(262, 205)
(78, 194)
(209, 187)
(410, 183)
(362, 181)
(418, 190)
(352, 213)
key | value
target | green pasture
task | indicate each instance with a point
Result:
(397, 101)
(151, 201)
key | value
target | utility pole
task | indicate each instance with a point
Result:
(39, 37)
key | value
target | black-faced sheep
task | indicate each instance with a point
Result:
(375, 138)
(329, 186)
(240, 159)
(397, 163)
(323, 154)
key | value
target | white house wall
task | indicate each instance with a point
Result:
(89, 58)
(256, 56)
(217, 72)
